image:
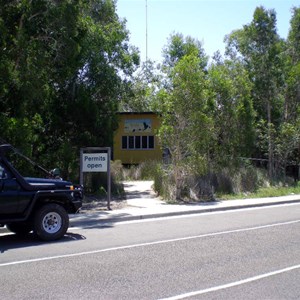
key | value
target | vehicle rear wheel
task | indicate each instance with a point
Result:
(20, 228)
(51, 222)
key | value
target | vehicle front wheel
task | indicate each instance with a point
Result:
(20, 228)
(51, 222)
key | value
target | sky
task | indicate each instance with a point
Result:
(208, 21)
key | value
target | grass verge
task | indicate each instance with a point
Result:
(263, 193)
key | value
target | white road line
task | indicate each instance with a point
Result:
(232, 284)
(146, 244)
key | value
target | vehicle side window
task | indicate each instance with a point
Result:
(3, 173)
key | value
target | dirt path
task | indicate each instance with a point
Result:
(137, 192)
(139, 189)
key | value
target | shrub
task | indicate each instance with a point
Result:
(195, 188)
(96, 183)
(234, 180)
(200, 188)
(223, 182)
(164, 183)
(144, 171)
(116, 169)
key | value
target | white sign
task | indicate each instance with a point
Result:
(94, 162)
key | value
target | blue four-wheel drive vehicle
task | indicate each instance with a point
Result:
(35, 204)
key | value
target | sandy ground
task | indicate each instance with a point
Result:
(134, 191)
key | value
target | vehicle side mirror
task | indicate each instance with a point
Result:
(55, 173)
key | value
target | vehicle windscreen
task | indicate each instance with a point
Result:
(24, 166)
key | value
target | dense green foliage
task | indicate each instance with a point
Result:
(64, 66)
(242, 108)
(67, 67)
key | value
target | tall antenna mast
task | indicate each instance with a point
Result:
(146, 31)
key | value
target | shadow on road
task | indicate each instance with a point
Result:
(13, 241)
(98, 220)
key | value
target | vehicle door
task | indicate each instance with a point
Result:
(9, 192)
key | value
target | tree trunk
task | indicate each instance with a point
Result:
(270, 143)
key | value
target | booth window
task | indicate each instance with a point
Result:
(124, 142)
(151, 142)
(143, 142)
(137, 142)
(131, 142)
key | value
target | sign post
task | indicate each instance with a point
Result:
(96, 159)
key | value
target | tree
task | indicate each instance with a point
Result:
(178, 46)
(187, 125)
(260, 48)
(65, 64)
(140, 96)
(292, 97)
(234, 116)
(288, 142)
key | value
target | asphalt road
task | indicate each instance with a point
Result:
(241, 254)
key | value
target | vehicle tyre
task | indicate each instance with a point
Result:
(51, 222)
(20, 228)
